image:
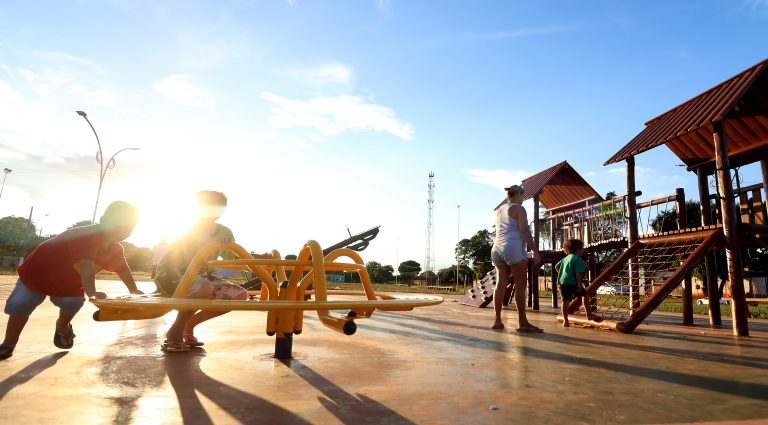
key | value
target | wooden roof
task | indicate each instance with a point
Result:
(558, 187)
(742, 101)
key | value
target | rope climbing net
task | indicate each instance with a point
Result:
(639, 278)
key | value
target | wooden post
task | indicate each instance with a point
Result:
(730, 231)
(682, 223)
(764, 168)
(554, 285)
(634, 288)
(530, 283)
(553, 232)
(535, 270)
(713, 295)
(536, 224)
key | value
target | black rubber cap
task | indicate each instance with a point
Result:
(96, 315)
(270, 333)
(297, 332)
(350, 327)
(351, 314)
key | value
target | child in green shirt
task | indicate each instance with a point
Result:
(570, 271)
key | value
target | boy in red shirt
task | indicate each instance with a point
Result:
(64, 268)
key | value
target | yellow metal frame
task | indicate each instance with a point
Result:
(281, 297)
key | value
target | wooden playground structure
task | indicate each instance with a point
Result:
(713, 134)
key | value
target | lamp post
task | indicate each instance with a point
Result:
(40, 234)
(458, 239)
(100, 159)
(6, 171)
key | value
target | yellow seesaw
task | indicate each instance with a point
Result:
(283, 298)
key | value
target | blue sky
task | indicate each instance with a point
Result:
(318, 116)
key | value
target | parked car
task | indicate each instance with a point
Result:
(613, 288)
(705, 301)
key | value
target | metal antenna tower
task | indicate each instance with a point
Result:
(429, 261)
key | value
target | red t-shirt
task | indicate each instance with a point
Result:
(53, 268)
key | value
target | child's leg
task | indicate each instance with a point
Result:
(13, 329)
(567, 297)
(19, 306)
(201, 289)
(220, 291)
(564, 310)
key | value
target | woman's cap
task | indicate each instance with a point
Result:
(514, 189)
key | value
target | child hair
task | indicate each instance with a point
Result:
(211, 197)
(119, 213)
(572, 245)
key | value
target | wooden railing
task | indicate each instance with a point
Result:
(608, 221)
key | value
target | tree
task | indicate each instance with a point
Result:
(18, 236)
(667, 220)
(477, 251)
(429, 276)
(379, 273)
(409, 270)
(80, 223)
(448, 274)
(138, 259)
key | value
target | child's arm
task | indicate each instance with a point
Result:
(127, 277)
(88, 279)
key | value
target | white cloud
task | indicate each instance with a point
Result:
(331, 73)
(62, 57)
(330, 116)
(496, 178)
(385, 7)
(519, 33)
(758, 5)
(184, 90)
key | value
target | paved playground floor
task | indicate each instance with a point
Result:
(433, 365)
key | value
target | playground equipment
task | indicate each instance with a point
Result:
(282, 298)
(646, 274)
(481, 293)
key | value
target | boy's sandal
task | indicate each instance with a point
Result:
(8, 353)
(192, 341)
(64, 339)
(174, 347)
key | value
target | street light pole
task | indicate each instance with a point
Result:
(6, 171)
(100, 159)
(458, 239)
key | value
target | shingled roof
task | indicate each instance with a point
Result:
(558, 187)
(742, 101)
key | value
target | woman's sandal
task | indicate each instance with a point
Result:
(174, 347)
(8, 353)
(64, 339)
(530, 330)
(192, 341)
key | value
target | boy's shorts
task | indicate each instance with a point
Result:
(23, 301)
(568, 292)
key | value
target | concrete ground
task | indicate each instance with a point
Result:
(433, 365)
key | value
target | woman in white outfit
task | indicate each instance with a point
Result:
(510, 257)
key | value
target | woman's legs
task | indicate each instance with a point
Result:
(520, 274)
(502, 280)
